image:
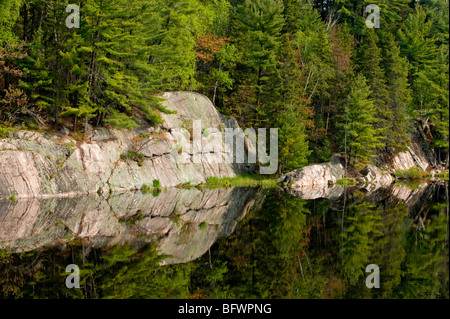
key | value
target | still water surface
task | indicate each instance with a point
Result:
(230, 243)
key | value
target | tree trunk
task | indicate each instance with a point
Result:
(25, 22)
(215, 92)
(86, 122)
(258, 93)
(98, 119)
(75, 119)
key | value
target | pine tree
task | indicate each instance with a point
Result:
(353, 14)
(293, 112)
(369, 64)
(318, 72)
(171, 28)
(44, 76)
(258, 26)
(416, 41)
(357, 123)
(9, 12)
(396, 69)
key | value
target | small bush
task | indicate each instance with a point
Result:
(156, 183)
(444, 175)
(186, 185)
(135, 156)
(4, 131)
(245, 180)
(146, 189)
(412, 173)
(346, 182)
(70, 148)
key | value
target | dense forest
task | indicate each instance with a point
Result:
(313, 69)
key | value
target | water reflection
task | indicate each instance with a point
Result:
(230, 243)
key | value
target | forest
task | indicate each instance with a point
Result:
(313, 69)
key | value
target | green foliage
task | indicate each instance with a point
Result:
(134, 156)
(358, 123)
(5, 130)
(245, 180)
(294, 150)
(396, 68)
(290, 64)
(412, 173)
(346, 182)
(155, 189)
(145, 189)
(203, 225)
(442, 175)
(9, 13)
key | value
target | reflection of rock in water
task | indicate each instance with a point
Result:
(322, 191)
(418, 198)
(184, 222)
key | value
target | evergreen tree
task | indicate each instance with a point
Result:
(429, 75)
(361, 137)
(293, 111)
(170, 28)
(396, 69)
(369, 64)
(9, 12)
(258, 27)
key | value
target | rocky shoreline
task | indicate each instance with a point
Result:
(45, 165)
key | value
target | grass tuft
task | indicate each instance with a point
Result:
(245, 180)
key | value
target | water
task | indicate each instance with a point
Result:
(230, 243)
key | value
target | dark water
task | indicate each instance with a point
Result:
(233, 243)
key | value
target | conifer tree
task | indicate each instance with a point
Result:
(9, 12)
(258, 27)
(369, 64)
(293, 112)
(358, 121)
(399, 96)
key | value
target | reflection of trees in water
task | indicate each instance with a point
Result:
(291, 248)
(119, 272)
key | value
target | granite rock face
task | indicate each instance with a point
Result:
(315, 175)
(417, 155)
(39, 165)
(374, 178)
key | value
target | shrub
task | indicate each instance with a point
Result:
(412, 173)
(4, 131)
(146, 189)
(444, 175)
(245, 180)
(135, 156)
(203, 225)
(346, 182)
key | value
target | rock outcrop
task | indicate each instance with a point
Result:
(183, 222)
(315, 175)
(373, 178)
(417, 155)
(39, 165)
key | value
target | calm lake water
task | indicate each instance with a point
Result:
(230, 243)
